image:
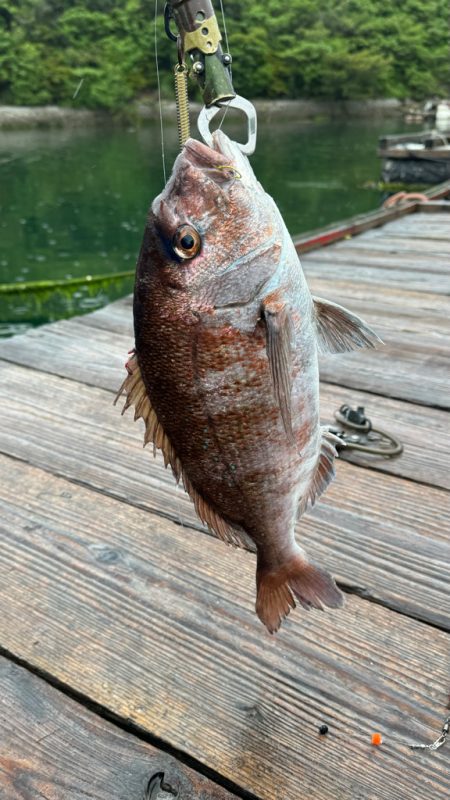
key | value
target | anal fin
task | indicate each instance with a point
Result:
(339, 330)
(324, 472)
(136, 395)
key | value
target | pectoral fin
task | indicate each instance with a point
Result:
(279, 352)
(339, 330)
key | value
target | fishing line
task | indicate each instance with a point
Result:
(222, 11)
(225, 31)
(224, 114)
(163, 156)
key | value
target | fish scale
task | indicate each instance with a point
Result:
(225, 367)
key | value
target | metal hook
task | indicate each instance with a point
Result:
(168, 15)
(207, 114)
(180, 51)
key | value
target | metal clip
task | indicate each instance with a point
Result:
(207, 114)
(439, 741)
(357, 433)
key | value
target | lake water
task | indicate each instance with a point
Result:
(73, 203)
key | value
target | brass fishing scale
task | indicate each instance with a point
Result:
(198, 39)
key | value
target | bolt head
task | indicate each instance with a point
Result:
(198, 67)
(226, 59)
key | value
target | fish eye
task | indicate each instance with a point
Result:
(186, 242)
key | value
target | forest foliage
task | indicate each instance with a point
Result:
(333, 49)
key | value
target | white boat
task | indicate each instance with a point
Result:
(442, 121)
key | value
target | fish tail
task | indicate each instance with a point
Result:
(296, 579)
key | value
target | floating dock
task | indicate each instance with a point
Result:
(132, 664)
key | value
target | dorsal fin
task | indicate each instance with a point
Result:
(339, 330)
(136, 395)
(324, 472)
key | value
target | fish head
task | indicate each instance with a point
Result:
(211, 217)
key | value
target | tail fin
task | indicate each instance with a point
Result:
(312, 586)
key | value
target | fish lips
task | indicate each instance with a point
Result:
(224, 163)
(204, 157)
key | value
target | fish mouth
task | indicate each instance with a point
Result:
(213, 160)
(202, 156)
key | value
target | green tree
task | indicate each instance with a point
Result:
(333, 49)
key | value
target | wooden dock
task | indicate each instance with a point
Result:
(132, 665)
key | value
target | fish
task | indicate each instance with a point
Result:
(225, 372)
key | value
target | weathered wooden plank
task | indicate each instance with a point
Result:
(411, 370)
(376, 275)
(158, 627)
(399, 312)
(397, 242)
(385, 255)
(39, 408)
(395, 372)
(73, 431)
(437, 235)
(424, 432)
(423, 312)
(51, 747)
(71, 350)
(420, 225)
(419, 336)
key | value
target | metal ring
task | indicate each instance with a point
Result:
(207, 114)
(180, 51)
(365, 428)
(393, 448)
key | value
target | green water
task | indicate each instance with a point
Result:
(73, 203)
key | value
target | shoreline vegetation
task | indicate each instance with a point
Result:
(100, 54)
(147, 110)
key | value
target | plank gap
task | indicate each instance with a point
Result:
(392, 396)
(344, 584)
(127, 725)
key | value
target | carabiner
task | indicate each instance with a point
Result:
(207, 114)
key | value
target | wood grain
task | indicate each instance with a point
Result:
(39, 409)
(393, 372)
(381, 254)
(51, 747)
(68, 349)
(364, 527)
(158, 627)
(413, 370)
(424, 433)
(429, 226)
(372, 274)
(423, 319)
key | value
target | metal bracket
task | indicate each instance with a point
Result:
(207, 114)
(357, 433)
(205, 38)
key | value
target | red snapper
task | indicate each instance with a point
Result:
(225, 368)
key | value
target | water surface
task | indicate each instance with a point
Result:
(73, 203)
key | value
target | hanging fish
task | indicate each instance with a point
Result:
(225, 367)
